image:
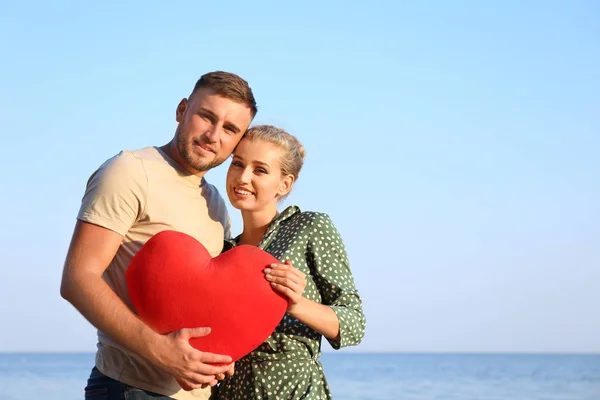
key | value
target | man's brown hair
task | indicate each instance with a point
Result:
(230, 86)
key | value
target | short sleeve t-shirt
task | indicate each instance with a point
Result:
(138, 194)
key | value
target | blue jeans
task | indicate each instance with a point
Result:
(101, 387)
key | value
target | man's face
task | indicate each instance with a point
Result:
(210, 126)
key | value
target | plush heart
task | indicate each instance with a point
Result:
(174, 283)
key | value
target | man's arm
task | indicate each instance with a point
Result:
(91, 251)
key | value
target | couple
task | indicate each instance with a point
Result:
(137, 194)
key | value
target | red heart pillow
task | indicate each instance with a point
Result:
(174, 283)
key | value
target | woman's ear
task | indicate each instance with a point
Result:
(285, 186)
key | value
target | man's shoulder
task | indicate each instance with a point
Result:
(133, 160)
(126, 156)
(146, 153)
(209, 187)
(212, 194)
(217, 208)
(135, 156)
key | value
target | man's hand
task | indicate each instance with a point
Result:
(91, 251)
(190, 367)
(229, 372)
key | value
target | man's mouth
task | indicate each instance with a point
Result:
(204, 146)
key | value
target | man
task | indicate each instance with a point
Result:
(131, 197)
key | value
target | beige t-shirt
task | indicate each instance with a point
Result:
(138, 194)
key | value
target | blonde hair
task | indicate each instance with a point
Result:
(293, 155)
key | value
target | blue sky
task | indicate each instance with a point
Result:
(455, 146)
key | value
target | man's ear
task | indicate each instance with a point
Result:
(180, 112)
(285, 186)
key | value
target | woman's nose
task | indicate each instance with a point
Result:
(246, 175)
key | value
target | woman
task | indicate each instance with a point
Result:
(316, 277)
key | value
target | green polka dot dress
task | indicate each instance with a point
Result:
(286, 365)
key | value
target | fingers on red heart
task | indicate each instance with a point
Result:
(246, 310)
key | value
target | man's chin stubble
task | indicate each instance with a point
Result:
(200, 166)
(187, 153)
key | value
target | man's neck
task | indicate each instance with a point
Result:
(172, 151)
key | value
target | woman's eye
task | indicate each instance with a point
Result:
(236, 164)
(261, 171)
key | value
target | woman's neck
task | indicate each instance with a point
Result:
(255, 225)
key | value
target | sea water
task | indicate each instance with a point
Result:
(354, 376)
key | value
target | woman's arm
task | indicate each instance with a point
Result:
(340, 318)
(291, 283)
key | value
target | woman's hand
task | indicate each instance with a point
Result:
(288, 281)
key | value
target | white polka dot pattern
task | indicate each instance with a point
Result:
(286, 365)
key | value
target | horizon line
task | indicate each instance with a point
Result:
(352, 352)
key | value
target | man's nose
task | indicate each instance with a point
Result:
(212, 133)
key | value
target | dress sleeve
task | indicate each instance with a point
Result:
(115, 195)
(333, 277)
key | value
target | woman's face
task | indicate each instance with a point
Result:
(254, 179)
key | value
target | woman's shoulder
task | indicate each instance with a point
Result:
(316, 215)
(315, 219)
(295, 213)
